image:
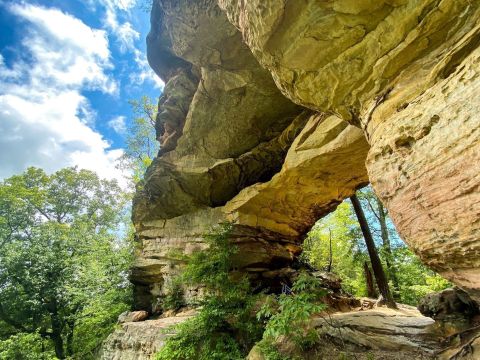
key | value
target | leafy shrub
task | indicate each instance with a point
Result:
(270, 351)
(291, 315)
(24, 346)
(173, 299)
(225, 327)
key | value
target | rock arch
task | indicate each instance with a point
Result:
(275, 111)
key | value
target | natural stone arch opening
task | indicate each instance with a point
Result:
(323, 165)
(237, 148)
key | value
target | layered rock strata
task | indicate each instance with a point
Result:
(273, 112)
(406, 72)
(140, 340)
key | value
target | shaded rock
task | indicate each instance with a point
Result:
(139, 340)
(174, 104)
(207, 129)
(132, 316)
(463, 346)
(323, 166)
(448, 304)
(381, 329)
(330, 280)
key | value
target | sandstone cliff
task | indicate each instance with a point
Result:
(275, 111)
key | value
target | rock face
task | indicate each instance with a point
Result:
(402, 332)
(449, 304)
(139, 340)
(275, 111)
(381, 333)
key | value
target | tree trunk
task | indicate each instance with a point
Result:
(380, 276)
(330, 259)
(371, 292)
(56, 337)
(71, 328)
(382, 216)
(57, 327)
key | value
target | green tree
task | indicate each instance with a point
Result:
(341, 228)
(141, 144)
(408, 276)
(377, 267)
(382, 228)
(62, 259)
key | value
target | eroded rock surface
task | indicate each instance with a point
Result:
(449, 304)
(272, 109)
(406, 72)
(275, 111)
(382, 329)
(139, 340)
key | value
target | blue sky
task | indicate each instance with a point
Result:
(67, 71)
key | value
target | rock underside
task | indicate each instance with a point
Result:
(275, 111)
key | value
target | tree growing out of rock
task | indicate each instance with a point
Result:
(141, 145)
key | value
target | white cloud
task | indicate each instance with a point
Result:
(86, 54)
(145, 72)
(126, 36)
(118, 124)
(124, 33)
(120, 4)
(45, 121)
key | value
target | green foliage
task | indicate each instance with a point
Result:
(141, 144)
(270, 351)
(23, 346)
(62, 264)
(413, 279)
(225, 327)
(342, 228)
(173, 299)
(290, 315)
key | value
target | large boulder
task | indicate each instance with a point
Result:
(449, 304)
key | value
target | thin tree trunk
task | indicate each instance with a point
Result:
(56, 337)
(71, 328)
(371, 292)
(57, 327)
(380, 276)
(382, 216)
(330, 260)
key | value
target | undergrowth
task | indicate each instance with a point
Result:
(225, 327)
(288, 317)
(228, 325)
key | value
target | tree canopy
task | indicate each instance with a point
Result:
(63, 262)
(141, 145)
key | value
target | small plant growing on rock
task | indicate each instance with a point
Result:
(288, 316)
(173, 299)
(225, 327)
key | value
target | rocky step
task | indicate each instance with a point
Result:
(140, 340)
